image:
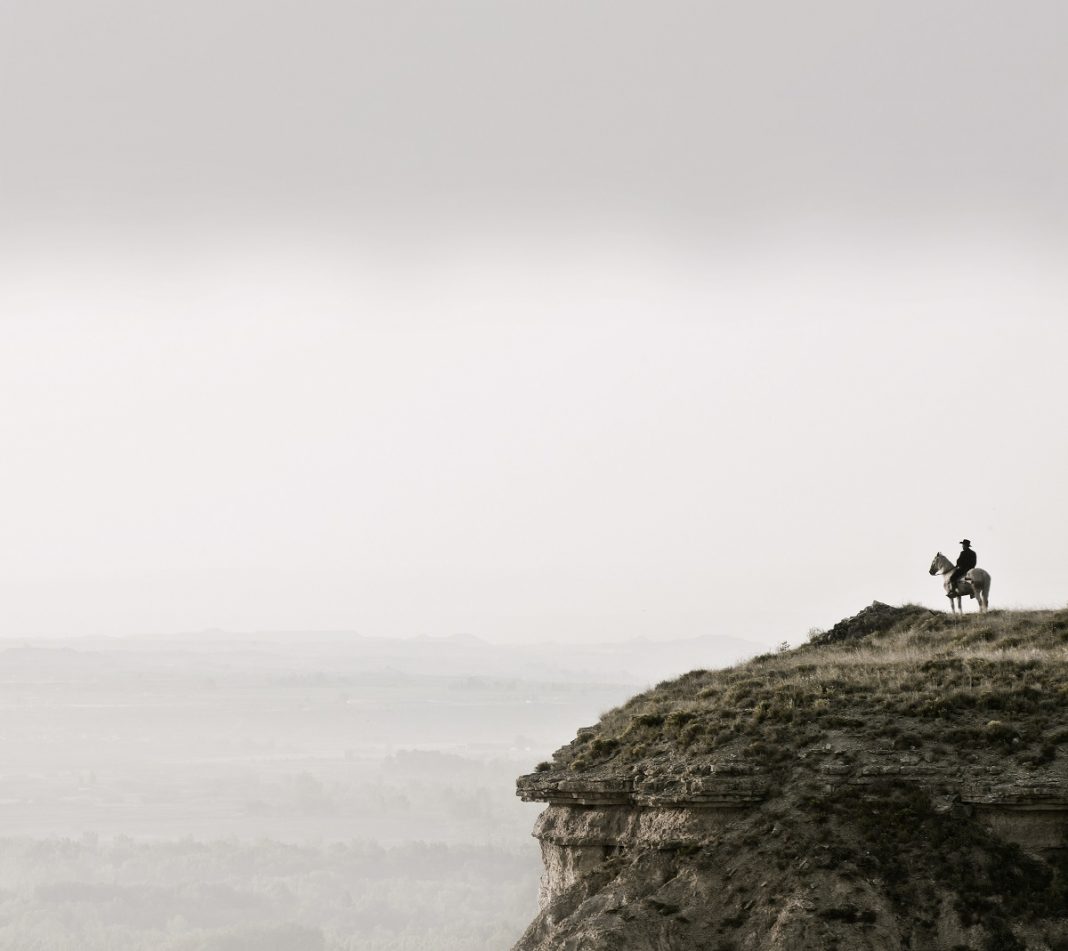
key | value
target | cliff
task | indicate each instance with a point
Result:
(901, 781)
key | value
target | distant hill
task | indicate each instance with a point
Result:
(901, 781)
(637, 662)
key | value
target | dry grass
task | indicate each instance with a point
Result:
(906, 671)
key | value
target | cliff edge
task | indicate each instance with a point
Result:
(900, 781)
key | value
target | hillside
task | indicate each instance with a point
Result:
(900, 781)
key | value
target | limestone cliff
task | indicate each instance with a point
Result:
(901, 781)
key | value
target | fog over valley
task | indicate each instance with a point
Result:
(288, 790)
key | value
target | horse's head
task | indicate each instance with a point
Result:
(936, 563)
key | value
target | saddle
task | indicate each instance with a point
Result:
(963, 586)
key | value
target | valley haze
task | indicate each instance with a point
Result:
(290, 791)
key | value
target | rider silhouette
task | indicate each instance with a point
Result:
(965, 562)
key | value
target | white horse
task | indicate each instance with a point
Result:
(975, 582)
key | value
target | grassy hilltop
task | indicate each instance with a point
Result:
(875, 747)
(994, 685)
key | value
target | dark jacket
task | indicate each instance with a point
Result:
(967, 560)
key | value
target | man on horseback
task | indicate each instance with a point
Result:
(977, 584)
(965, 562)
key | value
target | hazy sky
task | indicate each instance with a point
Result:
(529, 320)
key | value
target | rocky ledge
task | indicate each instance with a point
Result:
(900, 781)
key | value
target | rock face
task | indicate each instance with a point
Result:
(900, 784)
(576, 840)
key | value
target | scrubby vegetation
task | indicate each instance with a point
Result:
(894, 833)
(905, 678)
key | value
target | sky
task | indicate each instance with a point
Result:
(558, 321)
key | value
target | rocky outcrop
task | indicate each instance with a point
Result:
(864, 819)
(582, 826)
(576, 840)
